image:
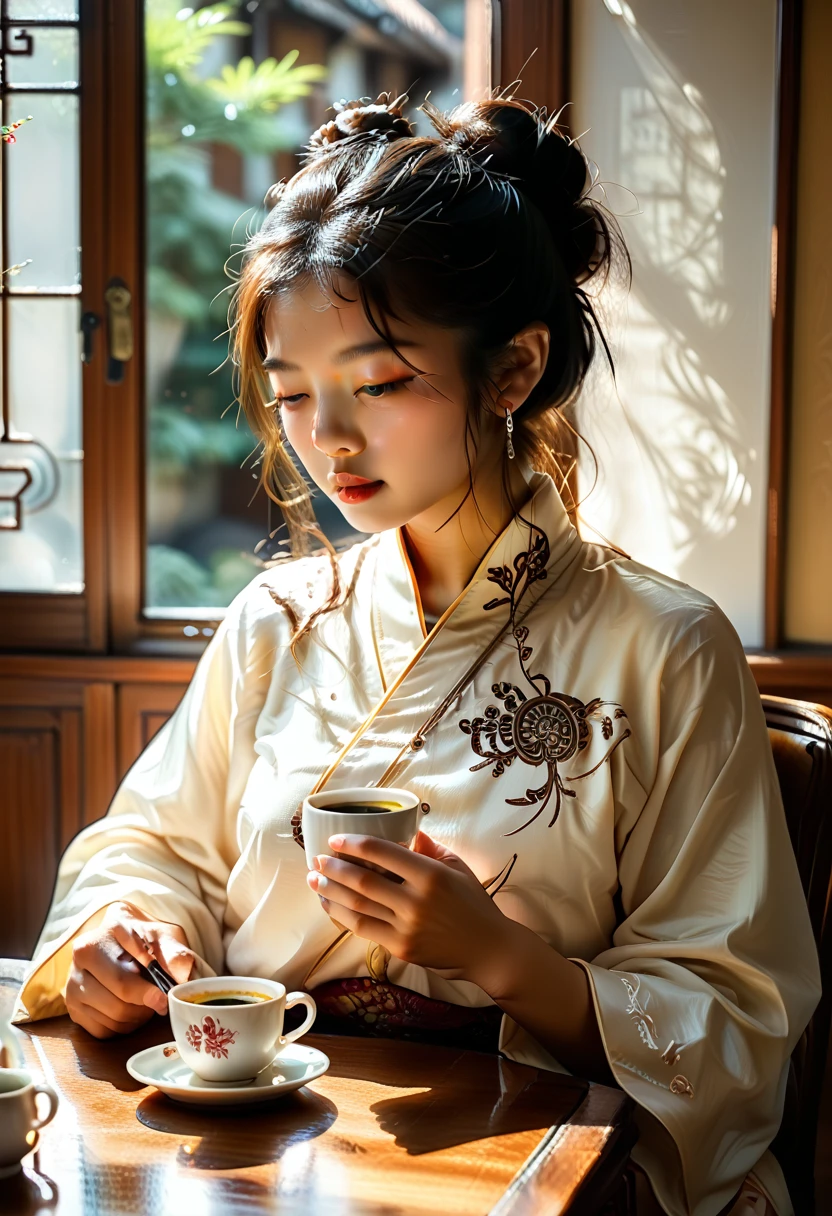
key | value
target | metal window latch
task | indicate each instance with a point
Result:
(90, 322)
(119, 329)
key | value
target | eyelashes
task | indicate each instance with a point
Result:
(389, 386)
(386, 389)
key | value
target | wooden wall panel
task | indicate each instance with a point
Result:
(143, 709)
(100, 769)
(64, 746)
(41, 764)
(57, 773)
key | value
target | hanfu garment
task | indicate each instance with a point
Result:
(575, 721)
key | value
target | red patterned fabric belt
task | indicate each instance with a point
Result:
(364, 1006)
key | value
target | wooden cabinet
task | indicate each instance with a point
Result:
(141, 710)
(69, 731)
(44, 776)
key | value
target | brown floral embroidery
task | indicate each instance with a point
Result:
(297, 830)
(547, 728)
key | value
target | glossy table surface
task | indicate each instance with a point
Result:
(392, 1128)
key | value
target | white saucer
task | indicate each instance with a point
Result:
(163, 1067)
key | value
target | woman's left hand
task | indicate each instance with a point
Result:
(439, 916)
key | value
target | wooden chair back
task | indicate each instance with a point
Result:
(801, 739)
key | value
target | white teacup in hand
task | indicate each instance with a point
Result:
(330, 813)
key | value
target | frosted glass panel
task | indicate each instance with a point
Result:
(46, 554)
(53, 10)
(45, 370)
(43, 192)
(687, 125)
(54, 58)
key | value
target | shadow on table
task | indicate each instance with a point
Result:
(28, 1192)
(228, 1137)
(235, 1137)
(104, 1059)
(461, 1096)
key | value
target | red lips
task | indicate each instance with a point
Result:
(354, 489)
(359, 490)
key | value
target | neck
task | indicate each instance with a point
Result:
(445, 558)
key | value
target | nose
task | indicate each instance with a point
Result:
(334, 430)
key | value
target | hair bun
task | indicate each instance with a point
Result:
(360, 118)
(518, 141)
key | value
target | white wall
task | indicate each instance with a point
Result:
(679, 96)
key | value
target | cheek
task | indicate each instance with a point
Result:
(425, 430)
(298, 430)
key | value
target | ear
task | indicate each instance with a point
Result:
(523, 364)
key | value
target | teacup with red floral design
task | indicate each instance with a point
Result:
(230, 1027)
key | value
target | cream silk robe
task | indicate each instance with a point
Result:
(615, 717)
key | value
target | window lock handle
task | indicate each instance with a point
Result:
(117, 298)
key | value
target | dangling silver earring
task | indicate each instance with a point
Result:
(509, 432)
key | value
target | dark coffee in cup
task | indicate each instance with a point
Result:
(365, 808)
(226, 998)
(384, 812)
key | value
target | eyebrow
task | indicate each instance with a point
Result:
(273, 364)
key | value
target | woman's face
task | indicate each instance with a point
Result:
(352, 410)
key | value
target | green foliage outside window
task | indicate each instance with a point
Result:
(192, 230)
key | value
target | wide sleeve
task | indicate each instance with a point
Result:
(168, 841)
(713, 973)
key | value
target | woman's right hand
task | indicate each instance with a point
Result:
(106, 993)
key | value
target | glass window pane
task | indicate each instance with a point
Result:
(687, 133)
(54, 58)
(46, 553)
(43, 191)
(210, 161)
(46, 10)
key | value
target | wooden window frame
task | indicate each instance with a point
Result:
(781, 667)
(78, 622)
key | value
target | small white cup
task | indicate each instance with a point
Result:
(233, 1042)
(319, 821)
(19, 1118)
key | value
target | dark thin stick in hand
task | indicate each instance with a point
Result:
(158, 976)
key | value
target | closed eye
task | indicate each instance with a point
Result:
(373, 391)
(382, 390)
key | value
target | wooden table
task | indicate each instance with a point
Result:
(393, 1128)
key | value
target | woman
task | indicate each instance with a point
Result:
(605, 884)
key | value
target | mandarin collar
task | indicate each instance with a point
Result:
(541, 530)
